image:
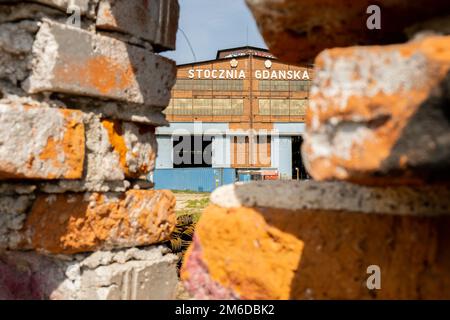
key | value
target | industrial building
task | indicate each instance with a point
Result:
(238, 117)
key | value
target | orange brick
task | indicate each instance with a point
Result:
(297, 30)
(40, 143)
(71, 223)
(154, 21)
(314, 241)
(380, 114)
(135, 144)
(74, 61)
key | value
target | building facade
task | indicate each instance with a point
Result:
(244, 110)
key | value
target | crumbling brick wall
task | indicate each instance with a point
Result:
(79, 103)
(377, 142)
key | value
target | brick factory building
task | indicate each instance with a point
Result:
(243, 112)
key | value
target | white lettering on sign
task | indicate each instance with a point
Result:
(216, 74)
(281, 75)
(240, 74)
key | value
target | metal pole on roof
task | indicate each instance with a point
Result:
(189, 43)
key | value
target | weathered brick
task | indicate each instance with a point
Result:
(83, 5)
(117, 150)
(155, 20)
(135, 144)
(73, 61)
(132, 274)
(297, 30)
(40, 143)
(380, 114)
(312, 240)
(96, 221)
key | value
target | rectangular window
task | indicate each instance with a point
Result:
(240, 151)
(256, 154)
(264, 107)
(228, 85)
(279, 107)
(279, 85)
(275, 107)
(222, 107)
(228, 107)
(182, 107)
(201, 84)
(264, 85)
(300, 85)
(263, 151)
(183, 84)
(237, 107)
(298, 107)
(202, 107)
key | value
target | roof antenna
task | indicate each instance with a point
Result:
(247, 34)
(189, 43)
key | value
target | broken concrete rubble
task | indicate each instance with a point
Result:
(78, 110)
(313, 240)
(297, 30)
(132, 274)
(379, 114)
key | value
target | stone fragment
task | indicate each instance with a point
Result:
(135, 144)
(312, 240)
(380, 114)
(13, 210)
(155, 21)
(83, 5)
(132, 274)
(297, 30)
(115, 149)
(16, 41)
(74, 61)
(95, 221)
(40, 143)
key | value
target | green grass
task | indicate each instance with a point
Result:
(190, 192)
(196, 204)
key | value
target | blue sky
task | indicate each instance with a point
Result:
(211, 25)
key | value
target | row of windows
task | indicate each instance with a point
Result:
(282, 85)
(235, 107)
(238, 85)
(206, 107)
(278, 107)
(216, 85)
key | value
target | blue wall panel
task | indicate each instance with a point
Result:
(193, 179)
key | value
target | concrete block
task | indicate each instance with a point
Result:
(73, 61)
(297, 30)
(83, 5)
(117, 150)
(155, 21)
(380, 114)
(99, 221)
(135, 144)
(16, 41)
(114, 150)
(13, 211)
(40, 143)
(133, 274)
(312, 240)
